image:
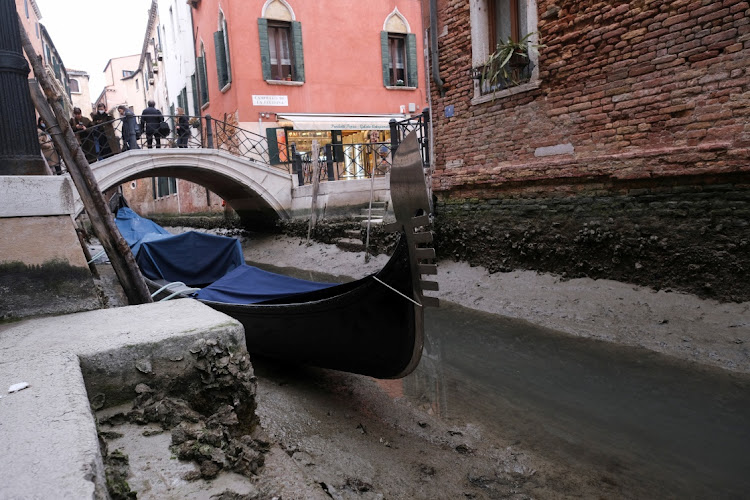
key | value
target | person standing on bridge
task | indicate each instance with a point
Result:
(151, 118)
(182, 128)
(129, 128)
(103, 132)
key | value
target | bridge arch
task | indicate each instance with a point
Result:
(258, 193)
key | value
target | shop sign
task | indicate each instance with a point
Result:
(270, 100)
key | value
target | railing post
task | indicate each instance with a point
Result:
(395, 139)
(297, 166)
(426, 136)
(209, 133)
(329, 162)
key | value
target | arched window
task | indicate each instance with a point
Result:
(221, 45)
(398, 52)
(280, 43)
(75, 87)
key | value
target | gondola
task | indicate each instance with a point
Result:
(372, 326)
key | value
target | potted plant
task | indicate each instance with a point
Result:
(505, 67)
(399, 83)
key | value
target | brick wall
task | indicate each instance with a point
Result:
(638, 95)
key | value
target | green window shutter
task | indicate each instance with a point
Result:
(153, 187)
(221, 58)
(299, 57)
(202, 81)
(385, 57)
(194, 86)
(273, 146)
(204, 75)
(227, 57)
(411, 60)
(265, 52)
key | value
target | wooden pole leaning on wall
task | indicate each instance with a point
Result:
(80, 172)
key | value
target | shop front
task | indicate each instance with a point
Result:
(360, 143)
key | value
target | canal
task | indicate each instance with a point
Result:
(630, 423)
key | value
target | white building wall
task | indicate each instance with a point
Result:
(176, 38)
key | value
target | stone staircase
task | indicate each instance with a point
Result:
(353, 241)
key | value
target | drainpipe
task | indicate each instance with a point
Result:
(434, 48)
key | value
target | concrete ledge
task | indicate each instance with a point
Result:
(47, 431)
(36, 195)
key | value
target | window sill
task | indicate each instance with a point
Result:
(205, 105)
(291, 83)
(500, 94)
(226, 87)
(399, 87)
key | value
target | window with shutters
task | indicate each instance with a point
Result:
(398, 53)
(221, 44)
(202, 77)
(281, 54)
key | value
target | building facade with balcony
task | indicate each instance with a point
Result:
(292, 71)
(619, 148)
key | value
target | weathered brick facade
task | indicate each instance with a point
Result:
(639, 128)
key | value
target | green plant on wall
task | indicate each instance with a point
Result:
(505, 67)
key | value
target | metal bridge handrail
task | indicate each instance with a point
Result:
(106, 139)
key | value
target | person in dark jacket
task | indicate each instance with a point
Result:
(82, 127)
(182, 128)
(104, 132)
(151, 118)
(129, 128)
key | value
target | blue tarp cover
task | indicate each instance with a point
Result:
(133, 227)
(249, 285)
(196, 259)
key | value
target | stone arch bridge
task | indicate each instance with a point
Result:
(259, 193)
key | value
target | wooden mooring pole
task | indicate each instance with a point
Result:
(96, 207)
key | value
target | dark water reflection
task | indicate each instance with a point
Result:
(659, 428)
(662, 426)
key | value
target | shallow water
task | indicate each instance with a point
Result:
(655, 427)
(648, 421)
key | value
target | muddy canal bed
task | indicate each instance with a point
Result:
(533, 413)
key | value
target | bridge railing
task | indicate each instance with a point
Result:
(337, 161)
(111, 137)
(344, 162)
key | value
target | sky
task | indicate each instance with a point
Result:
(88, 33)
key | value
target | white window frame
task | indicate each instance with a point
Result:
(79, 86)
(480, 49)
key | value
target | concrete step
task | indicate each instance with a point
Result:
(373, 222)
(351, 244)
(378, 211)
(354, 234)
(364, 216)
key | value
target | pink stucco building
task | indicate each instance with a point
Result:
(294, 70)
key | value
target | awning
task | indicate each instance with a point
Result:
(306, 121)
